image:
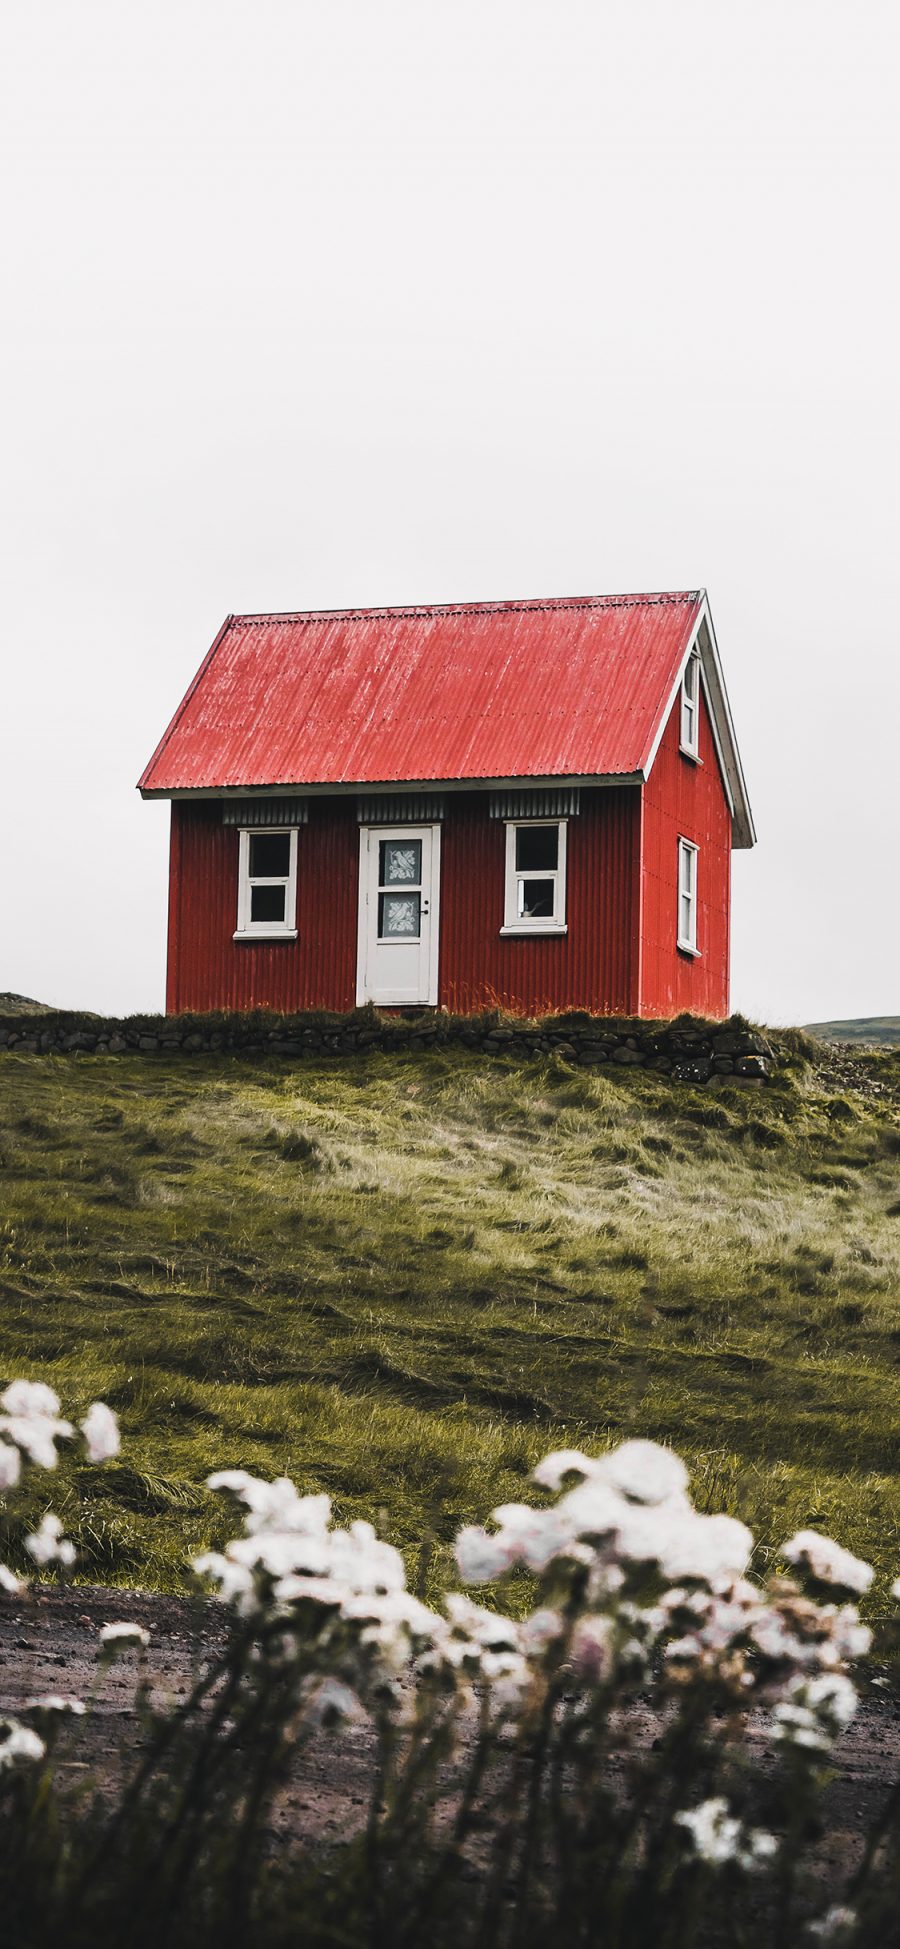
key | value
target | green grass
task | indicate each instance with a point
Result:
(876, 1029)
(401, 1278)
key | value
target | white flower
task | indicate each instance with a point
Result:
(395, 1607)
(593, 1509)
(18, 1743)
(10, 1465)
(37, 1434)
(235, 1581)
(534, 1536)
(274, 1505)
(591, 1646)
(718, 1837)
(101, 1432)
(10, 1582)
(279, 1552)
(824, 1560)
(48, 1545)
(114, 1637)
(815, 1710)
(834, 1926)
(552, 1471)
(367, 1563)
(332, 1703)
(325, 1591)
(480, 1557)
(895, 1590)
(706, 1547)
(485, 1628)
(849, 1638)
(645, 1472)
(56, 1702)
(30, 1397)
(543, 1627)
(30, 1420)
(832, 1696)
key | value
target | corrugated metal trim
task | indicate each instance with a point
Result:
(265, 812)
(399, 808)
(554, 802)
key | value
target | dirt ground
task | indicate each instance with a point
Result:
(49, 1643)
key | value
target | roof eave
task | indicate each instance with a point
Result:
(346, 788)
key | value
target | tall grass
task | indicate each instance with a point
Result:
(426, 1269)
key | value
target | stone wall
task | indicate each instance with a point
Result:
(688, 1049)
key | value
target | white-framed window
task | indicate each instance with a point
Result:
(267, 883)
(690, 707)
(688, 855)
(535, 900)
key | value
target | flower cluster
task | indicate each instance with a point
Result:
(718, 1837)
(339, 1602)
(635, 1595)
(340, 1594)
(632, 1582)
(634, 1578)
(31, 1427)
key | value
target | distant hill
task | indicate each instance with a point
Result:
(881, 1029)
(21, 1005)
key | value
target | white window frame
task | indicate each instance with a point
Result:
(266, 930)
(513, 921)
(690, 707)
(688, 875)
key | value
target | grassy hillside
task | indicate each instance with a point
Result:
(403, 1277)
(883, 1030)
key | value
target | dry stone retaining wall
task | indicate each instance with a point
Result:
(690, 1050)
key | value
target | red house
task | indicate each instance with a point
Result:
(528, 804)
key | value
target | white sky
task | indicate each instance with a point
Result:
(326, 302)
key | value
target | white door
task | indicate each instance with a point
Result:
(399, 869)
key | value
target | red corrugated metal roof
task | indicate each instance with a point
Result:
(564, 688)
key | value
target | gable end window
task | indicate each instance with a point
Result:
(688, 856)
(535, 900)
(267, 884)
(690, 707)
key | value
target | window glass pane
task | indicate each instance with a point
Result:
(270, 856)
(399, 916)
(400, 862)
(267, 903)
(536, 899)
(537, 849)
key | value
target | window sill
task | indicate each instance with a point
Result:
(265, 934)
(548, 927)
(694, 756)
(693, 952)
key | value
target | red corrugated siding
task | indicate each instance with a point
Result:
(207, 969)
(685, 800)
(567, 688)
(594, 966)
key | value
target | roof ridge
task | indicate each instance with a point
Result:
(482, 608)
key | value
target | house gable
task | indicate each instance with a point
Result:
(685, 798)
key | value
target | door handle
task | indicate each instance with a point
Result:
(425, 907)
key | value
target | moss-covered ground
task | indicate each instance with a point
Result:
(402, 1277)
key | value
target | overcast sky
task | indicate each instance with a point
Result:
(314, 303)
